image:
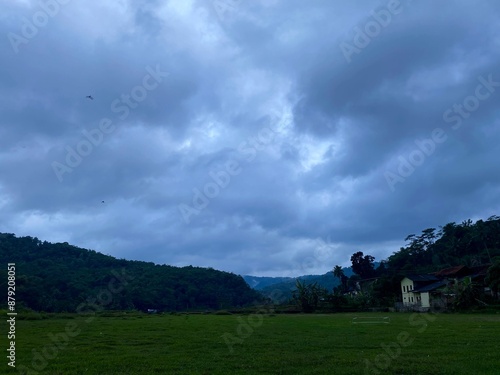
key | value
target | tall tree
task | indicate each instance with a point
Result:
(363, 265)
(339, 273)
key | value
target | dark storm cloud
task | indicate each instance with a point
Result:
(278, 141)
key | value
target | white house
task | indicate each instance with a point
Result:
(418, 290)
(424, 294)
(412, 289)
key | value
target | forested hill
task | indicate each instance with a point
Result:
(56, 277)
(453, 244)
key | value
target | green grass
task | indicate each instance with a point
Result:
(280, 344)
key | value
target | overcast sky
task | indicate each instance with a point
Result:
(262, 137)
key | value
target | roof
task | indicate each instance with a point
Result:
(422, 278)
(368, 280)
(480, 270)
(452, 271)
(430, 287)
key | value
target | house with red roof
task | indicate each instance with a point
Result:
(424, 291)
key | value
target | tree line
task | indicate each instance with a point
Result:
(58, 277)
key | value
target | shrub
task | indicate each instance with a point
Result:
(223, 312)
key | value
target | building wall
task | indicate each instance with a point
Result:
(424, 299)
(406, 288)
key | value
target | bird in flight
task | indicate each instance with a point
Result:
(89, 97)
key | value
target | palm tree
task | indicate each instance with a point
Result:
(339, 273)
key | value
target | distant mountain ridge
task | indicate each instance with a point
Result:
(284, 286)
(260, 282)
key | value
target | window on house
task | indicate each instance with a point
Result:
(412, 299)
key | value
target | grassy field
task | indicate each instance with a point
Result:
(259, 344)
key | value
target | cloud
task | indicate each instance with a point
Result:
(264, 89)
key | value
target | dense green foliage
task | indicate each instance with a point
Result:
(363, 265)
(454, 244)
(438, 344)
(468, 243)
(493, 276)
(308, 296)
(60, 277)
